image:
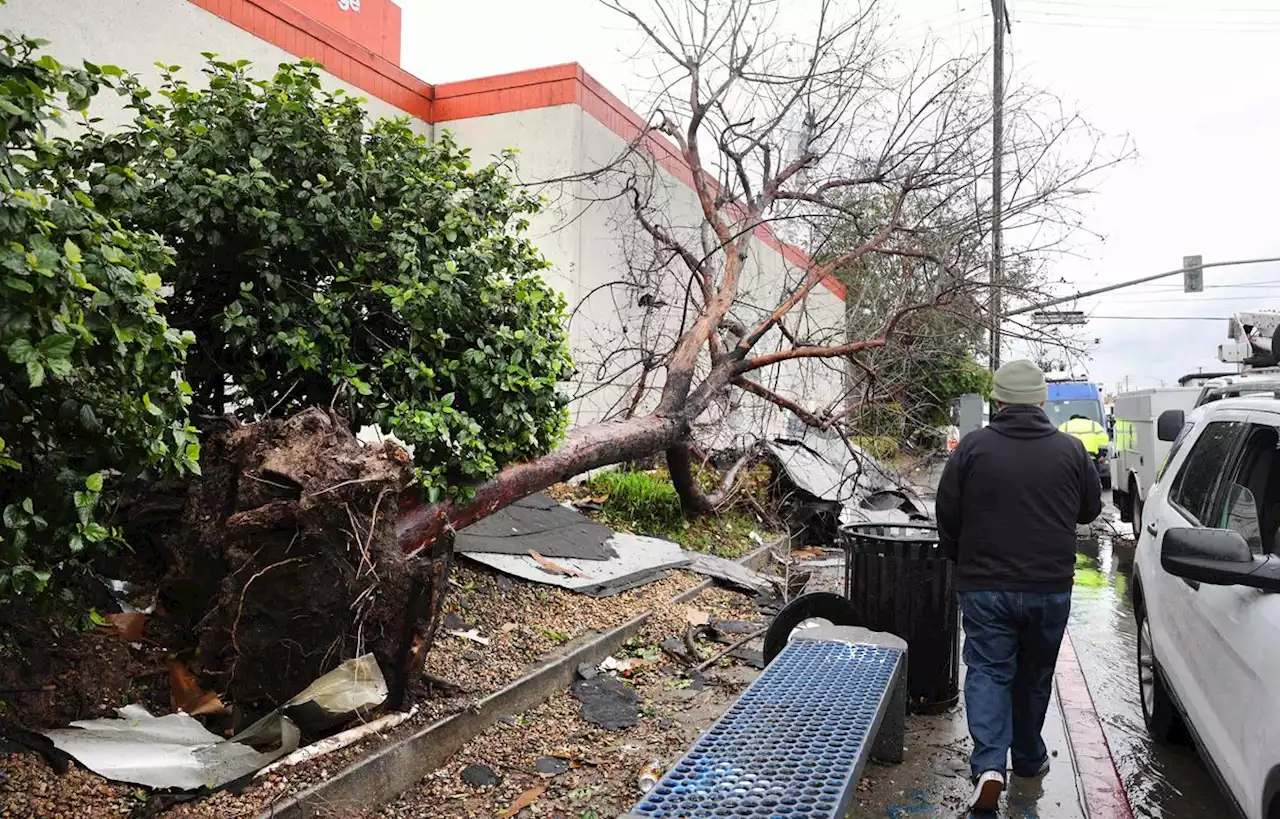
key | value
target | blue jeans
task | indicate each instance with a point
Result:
(1010, 649)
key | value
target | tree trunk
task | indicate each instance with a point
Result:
(693, 502)
(586, 448)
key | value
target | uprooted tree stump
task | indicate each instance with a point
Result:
(290, 538)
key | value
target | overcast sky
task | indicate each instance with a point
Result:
(1193, 84)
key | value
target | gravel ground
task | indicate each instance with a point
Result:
(526, 621)
(601, 780)
(522, 621)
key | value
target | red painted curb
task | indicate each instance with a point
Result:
(1100, 785)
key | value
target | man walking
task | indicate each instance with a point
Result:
(1008, 504)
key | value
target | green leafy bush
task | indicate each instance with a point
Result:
(322, 259)
(91, 394)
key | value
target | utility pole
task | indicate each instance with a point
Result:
(1000, 23)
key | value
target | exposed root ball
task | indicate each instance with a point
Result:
(297, 519)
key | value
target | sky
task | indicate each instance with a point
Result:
(1192, 83)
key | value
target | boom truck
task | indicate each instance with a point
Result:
(1075, 407)
(1139, 456)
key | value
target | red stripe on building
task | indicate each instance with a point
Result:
(1103, 792)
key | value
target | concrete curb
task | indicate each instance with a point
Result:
(394, 768)
(1102, 794)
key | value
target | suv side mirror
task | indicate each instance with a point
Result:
(1169, 424)
(1219, 557)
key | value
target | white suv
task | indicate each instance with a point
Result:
(1206, 595)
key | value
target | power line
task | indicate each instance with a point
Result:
(1148, 19)
(1107, 7)
(1158, 318)
(1192, 300)
(1191, 27)
(1165, 288)
(1097, 291)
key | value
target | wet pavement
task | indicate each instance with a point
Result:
(1162, 782)
(932, 783)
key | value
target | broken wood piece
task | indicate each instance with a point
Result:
(730, 649)
(128, 624)
(339, 741)
(278, 514)
(185, 693)
(473, 635)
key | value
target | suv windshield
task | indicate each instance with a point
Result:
(1060, 412)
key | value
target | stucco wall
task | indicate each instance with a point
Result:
(546, 140)
(136, 34)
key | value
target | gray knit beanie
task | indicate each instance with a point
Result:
(1020, 382)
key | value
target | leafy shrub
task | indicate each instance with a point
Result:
(91, 395)
(322, 259)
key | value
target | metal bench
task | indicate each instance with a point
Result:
(795, 743)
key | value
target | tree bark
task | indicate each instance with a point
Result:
(587, 448)
(692, 500)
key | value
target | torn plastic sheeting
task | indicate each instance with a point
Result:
(730, 572)
(172, 751)
(354, 685)
(832, 469)
(850, 515)
(639, 560)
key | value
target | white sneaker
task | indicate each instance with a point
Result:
(986, 796)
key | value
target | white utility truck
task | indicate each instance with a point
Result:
(1139, 455)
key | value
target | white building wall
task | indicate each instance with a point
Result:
(546, 140)
(137, 34)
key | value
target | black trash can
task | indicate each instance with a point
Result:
(898, 581)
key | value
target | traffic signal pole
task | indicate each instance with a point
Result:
(1084, 294)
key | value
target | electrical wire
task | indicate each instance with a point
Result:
(1143, 7)
(1195, 298)
(1191, 27)
(1158, 318)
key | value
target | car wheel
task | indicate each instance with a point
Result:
(1157, 706)
(1136, 517)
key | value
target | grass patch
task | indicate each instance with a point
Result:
(645, 499)
(646, 503)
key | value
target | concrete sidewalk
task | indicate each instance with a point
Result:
(934, 780)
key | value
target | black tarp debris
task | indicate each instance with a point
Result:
(537, 523)
(480, 776)
(606, 702)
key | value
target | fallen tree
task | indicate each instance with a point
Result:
(800, 129)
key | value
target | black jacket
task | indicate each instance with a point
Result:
(1009, 501)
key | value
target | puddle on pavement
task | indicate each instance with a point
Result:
(1162, 782)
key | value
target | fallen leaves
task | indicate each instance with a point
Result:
(185, 693)
(696, 617)
(523, 801)
(554, 568)
(128, 624)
